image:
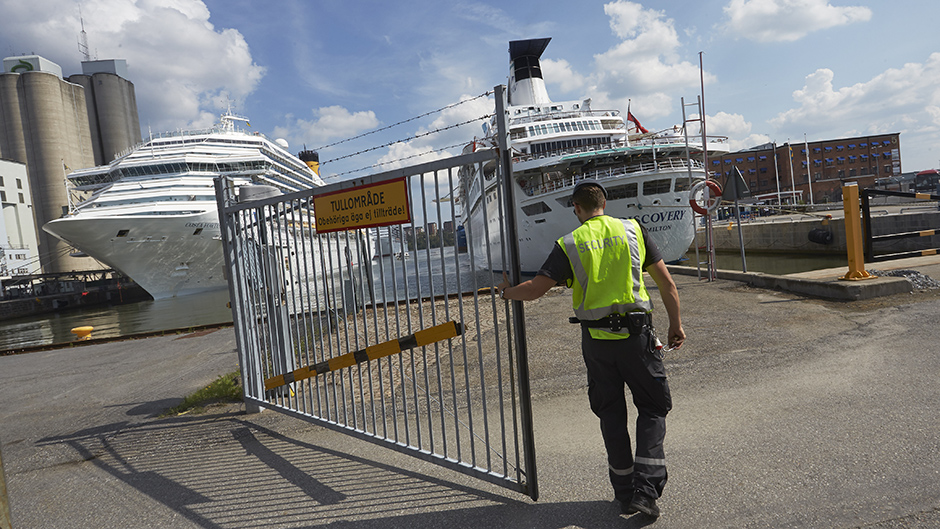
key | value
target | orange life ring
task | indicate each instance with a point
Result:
(715, 191)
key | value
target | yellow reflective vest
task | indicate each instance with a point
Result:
(606, 256)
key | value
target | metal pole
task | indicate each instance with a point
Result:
(792, 180)
(518, 316)
(809, 171)
(737, 210)
(777, 178)
(252, 384)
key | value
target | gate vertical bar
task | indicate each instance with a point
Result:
(518, 315)
(252, 384)
(869, 252)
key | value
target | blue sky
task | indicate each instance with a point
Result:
(315, 72)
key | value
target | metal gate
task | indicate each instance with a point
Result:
(391, 333)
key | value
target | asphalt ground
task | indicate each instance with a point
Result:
(789, 411)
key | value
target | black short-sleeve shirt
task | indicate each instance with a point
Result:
(558, 268)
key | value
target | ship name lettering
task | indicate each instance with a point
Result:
(661, 216)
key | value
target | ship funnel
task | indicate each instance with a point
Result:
(312, 159)
(526, 86)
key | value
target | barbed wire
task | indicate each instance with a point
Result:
(416, 136)
(417, 155)
(364, 134)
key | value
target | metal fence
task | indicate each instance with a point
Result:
(392, 334)
(925, 236)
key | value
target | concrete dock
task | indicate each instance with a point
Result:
(790, 410)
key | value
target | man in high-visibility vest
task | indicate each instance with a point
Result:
(603, 262)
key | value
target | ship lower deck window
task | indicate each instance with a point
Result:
(536, 209)
(198, 231)
(123, 233)
(682, 184)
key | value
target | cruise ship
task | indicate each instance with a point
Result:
(648, 176)
(152, 215)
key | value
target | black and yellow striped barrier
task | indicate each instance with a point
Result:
(427, 336)
(870, 240)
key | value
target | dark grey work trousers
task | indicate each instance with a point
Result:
(611, 365)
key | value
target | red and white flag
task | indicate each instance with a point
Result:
(636, 122)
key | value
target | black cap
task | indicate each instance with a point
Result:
(590, 182)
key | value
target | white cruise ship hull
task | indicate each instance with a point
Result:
(166, 257)
(667, 217)
(152, 214)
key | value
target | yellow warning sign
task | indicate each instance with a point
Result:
(367, 206)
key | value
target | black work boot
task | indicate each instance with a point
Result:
(644, 504)
(626, 507)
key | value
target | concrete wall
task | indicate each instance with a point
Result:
(793, 236)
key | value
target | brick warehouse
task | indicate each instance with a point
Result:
(832, 163)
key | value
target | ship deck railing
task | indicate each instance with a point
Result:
(610, 147)
(667, 164)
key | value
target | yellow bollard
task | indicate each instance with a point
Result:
(83, 333)
(853, 235)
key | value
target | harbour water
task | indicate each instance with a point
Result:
(211, 308)
(117, 320)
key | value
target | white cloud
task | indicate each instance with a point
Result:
(560, 73)
(328, 124)
(904, 100)
(883, 104)
(788, 20)
(645, 66)
(184, 69)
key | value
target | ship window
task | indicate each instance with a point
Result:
(536, 209)
(656, 187)
(123, 233)
(624, 191)
(198, 231)
(682, 184)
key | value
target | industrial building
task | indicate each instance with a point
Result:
(771, 171)
(17, 230)
(55, 125)
(112, 108)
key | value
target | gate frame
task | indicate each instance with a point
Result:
(253, 382)
(870, 239)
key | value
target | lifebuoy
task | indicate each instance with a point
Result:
(715, 199)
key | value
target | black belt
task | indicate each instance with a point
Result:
(634, 322)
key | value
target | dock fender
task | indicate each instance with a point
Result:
(820, 236)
